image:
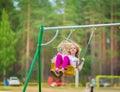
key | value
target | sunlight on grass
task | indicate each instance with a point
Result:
(9, 88)
(46, 88)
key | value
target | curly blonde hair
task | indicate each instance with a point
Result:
(64, 47)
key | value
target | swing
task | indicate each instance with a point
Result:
(38, 49)
(70, 70)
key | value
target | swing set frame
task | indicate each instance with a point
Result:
(37, 54)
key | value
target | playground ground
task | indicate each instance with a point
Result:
(55, 89)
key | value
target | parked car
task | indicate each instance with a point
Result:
(104, 83)
(14, 81)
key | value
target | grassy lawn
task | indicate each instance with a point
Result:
(9, 88)
(54, 89)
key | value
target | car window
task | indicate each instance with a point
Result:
(13, 78)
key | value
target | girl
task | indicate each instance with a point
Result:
(68, 55)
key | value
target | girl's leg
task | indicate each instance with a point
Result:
(58, 63)
(66, 61)
(58, 60)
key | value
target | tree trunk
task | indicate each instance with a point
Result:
(112, 41)
(4, 75)
(23, 65)
(28, 38)
(104, 50)
(92, 46)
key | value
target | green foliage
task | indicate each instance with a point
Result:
(42, 12)
(7, 43)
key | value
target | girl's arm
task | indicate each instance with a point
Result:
(81, 65)
(77, 63)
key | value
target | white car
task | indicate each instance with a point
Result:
(14, 81)
(104, 83)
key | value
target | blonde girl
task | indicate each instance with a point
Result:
(68, 54)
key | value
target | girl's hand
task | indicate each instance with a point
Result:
(83, 59)
(81, 64)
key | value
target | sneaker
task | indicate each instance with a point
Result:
(54, 73)
(60, 74)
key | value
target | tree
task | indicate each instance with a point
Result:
(7, 44)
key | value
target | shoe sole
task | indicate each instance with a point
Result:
(60, 74)
(54, 74)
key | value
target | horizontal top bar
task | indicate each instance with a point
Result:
(82, 26)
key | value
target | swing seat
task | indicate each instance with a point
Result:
(70, 70)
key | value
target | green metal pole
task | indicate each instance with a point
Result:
(39, 56)
(34, 60)
(39, 72)
(30, 71)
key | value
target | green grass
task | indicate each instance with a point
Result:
(108, 88)
(44, 85)
(3, 88)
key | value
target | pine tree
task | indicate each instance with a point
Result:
(7, 44)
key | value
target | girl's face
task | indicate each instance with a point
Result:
(73, 50)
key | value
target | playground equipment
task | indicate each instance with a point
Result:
(38, 50)
(70, 70)
(105, 77)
